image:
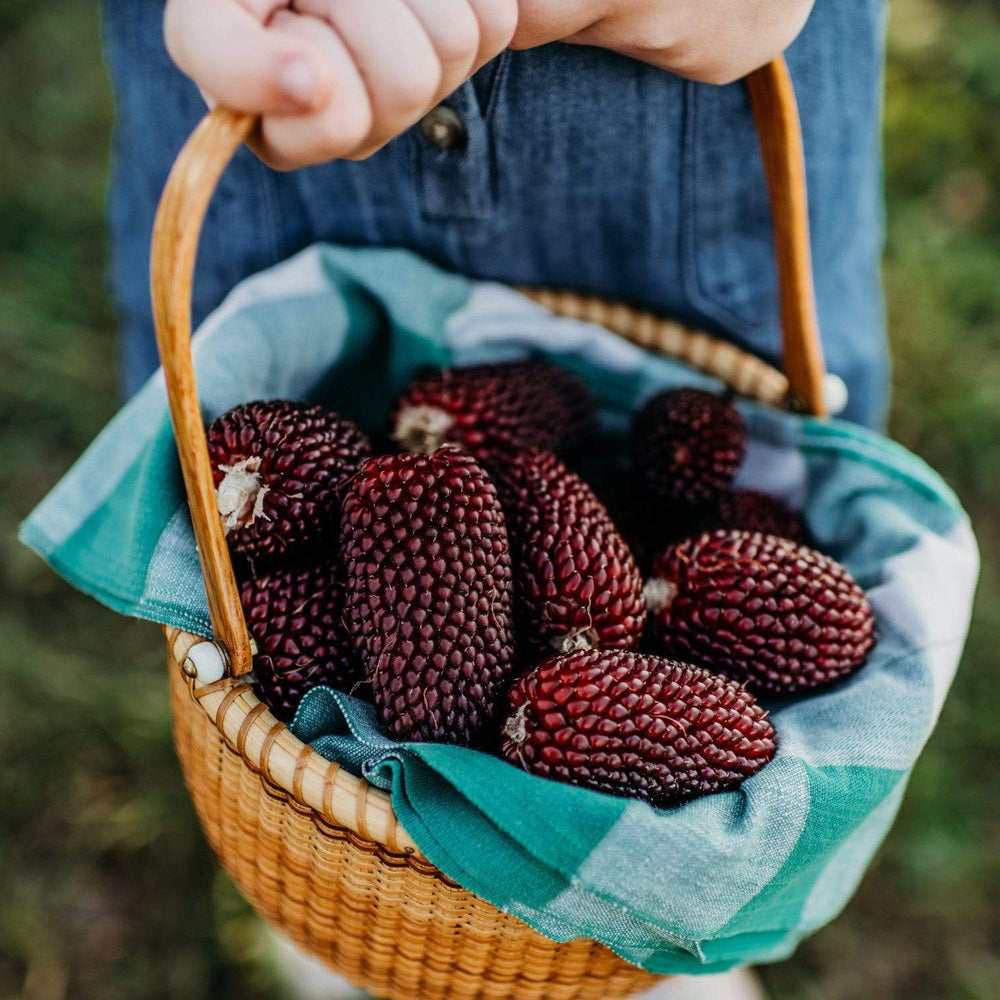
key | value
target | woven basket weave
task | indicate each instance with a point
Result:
(373, 909)
(318, 852)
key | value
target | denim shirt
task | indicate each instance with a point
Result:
(566, 166)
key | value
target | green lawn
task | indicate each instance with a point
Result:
(108, 889)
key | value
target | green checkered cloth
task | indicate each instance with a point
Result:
(731, 878)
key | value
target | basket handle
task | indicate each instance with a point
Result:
(779, 131)
(179, 219)
(176, 230)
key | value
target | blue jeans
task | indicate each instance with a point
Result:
(577, 168)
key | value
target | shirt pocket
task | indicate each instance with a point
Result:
(728, 249)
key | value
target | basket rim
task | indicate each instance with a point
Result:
(268, 747)
(737, 368)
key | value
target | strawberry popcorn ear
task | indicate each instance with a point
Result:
(510, 405)
(430, 592)
(578, 586)
(777, 614)
(635, 725)
(277, 466)
(687, 445)
(295, 616)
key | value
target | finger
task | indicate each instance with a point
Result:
(394, 55)
(496, 19)
(497, 24)
(226, 49)
(453, 30)
(341, 127)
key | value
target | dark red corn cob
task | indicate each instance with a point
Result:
(577, 585)
(277, 466)
(781, 615)
(429, 592)
(687, 445)
(751, 510)
(635, 725)
(484, 407)
(295, 618)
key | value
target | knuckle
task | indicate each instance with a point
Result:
(408, 94)
(352, 126)
(458, 42)
(424, 86)
(499, 23)
(342, 129)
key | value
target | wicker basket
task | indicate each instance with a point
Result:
(317, 851)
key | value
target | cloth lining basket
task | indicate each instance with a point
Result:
(317, 851)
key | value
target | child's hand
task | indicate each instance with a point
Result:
(340, 78)
(714, 41)
(333, 78)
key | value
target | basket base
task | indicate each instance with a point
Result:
(389, 923)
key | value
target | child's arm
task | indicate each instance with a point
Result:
(713, 41)
(340, 78)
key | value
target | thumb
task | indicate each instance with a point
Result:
(234, 58)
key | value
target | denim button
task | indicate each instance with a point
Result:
(452, 150)
(443, 129)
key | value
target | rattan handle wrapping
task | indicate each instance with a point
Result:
(175, 242)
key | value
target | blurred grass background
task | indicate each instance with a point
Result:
(108, 889)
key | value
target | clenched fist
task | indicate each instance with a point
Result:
(333, 78)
